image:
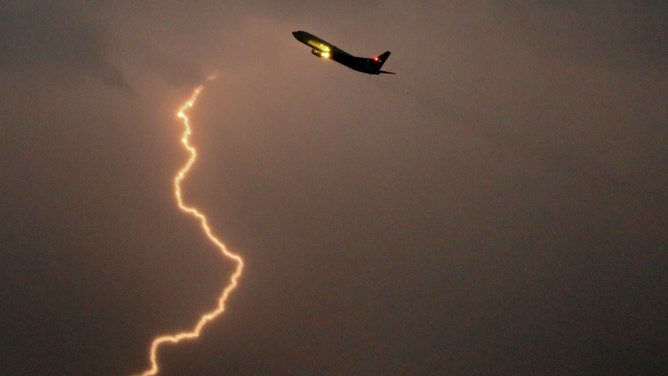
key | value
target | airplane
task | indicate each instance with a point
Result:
(326, 50)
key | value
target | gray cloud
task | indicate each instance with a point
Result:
(497, 207)
(614, 34)
(57, 40)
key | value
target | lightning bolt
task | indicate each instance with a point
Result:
(204, 222)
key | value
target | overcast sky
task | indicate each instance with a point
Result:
(498, 207)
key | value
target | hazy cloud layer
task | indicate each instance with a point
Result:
(55, 39)
(498, 207)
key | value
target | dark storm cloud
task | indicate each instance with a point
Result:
(55, 39)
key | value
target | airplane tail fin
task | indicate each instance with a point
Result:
(382, 58)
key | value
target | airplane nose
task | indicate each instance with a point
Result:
(298, 34)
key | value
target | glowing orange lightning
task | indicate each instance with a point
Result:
(206, 318)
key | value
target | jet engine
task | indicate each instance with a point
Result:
(320, 54)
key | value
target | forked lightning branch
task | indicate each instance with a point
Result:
(182, 114)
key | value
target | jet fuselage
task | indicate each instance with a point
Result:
(326, 50)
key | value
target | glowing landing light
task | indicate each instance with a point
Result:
(180, 175)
